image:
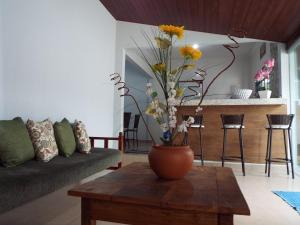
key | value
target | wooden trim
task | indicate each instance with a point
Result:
(147, 215)
(106, 140)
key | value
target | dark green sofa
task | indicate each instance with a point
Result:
(33, 179)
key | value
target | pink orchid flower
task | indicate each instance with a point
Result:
(266, 75)
(259, 75)
(270, 63)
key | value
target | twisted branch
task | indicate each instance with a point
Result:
(230, 48)
(122, 86)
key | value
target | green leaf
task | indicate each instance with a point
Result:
(154, 94)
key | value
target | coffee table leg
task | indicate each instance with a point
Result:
(85, 217)
(225, 219)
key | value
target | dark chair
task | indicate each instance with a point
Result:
(198, 124)
(134, 130)
(236, 122)
(127, 116)
(282, 123)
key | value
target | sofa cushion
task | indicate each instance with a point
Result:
(15, 144)
(82, 138)
(64, 137)
(34, 179)
(43, 140)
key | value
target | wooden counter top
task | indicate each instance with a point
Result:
(250, 101)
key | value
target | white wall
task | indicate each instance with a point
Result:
(57, 58)
(1, 66)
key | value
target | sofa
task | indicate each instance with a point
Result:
(33, 179)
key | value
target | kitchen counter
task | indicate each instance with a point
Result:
(250, 101)
(255, 134)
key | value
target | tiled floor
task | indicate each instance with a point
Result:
(266, 208)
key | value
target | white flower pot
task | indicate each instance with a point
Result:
(265, 94)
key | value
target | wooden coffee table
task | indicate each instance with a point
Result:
(134, 195)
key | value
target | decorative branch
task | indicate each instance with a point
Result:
(192, 87)
(122, 86)
(230, 48)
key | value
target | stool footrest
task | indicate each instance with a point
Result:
(282, 160)
(232, 158)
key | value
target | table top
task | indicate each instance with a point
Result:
(204, 189)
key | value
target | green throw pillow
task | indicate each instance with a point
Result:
(15, 143)
(64, 137)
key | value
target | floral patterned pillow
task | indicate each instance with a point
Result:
(82, 139)
(43, 140)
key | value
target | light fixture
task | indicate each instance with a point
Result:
(195, 46)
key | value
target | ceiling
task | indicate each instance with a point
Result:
(273, 20)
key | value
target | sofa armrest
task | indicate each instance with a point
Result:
(106, 140)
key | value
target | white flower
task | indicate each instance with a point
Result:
(164, 127)
(171, 84)
(149, 91)
(199, 109)
(172, 93)
(159, 110)
(172, 123)
(171, 101)
(182, 127)
(190, 120)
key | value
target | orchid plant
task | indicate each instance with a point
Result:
(262, 76)
(167, 75)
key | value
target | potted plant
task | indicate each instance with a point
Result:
(168, 159)
(262, 79)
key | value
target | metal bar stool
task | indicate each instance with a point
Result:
(284, 123)
(236, 122)
(126, 122)
(198, 124)
(134, 130)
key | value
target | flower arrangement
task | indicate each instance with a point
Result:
(262, 76)
(163, 108)
(166, 74)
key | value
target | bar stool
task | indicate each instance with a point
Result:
(236, 122)
(126, 122)
(284, 123)
(134, 130)
(198, 124)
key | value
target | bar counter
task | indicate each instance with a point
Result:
(255, 121)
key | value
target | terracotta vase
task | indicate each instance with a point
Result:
(171, 162)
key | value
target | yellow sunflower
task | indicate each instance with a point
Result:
(190, 53)
(162, 43)
(172, 30)
(159, 67)
(179, 92)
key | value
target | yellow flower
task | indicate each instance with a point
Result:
(150, 110)
(188, 66)
(159, 67)
(190, 53)
(172, 30)
(179, 92)
(162, 43)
